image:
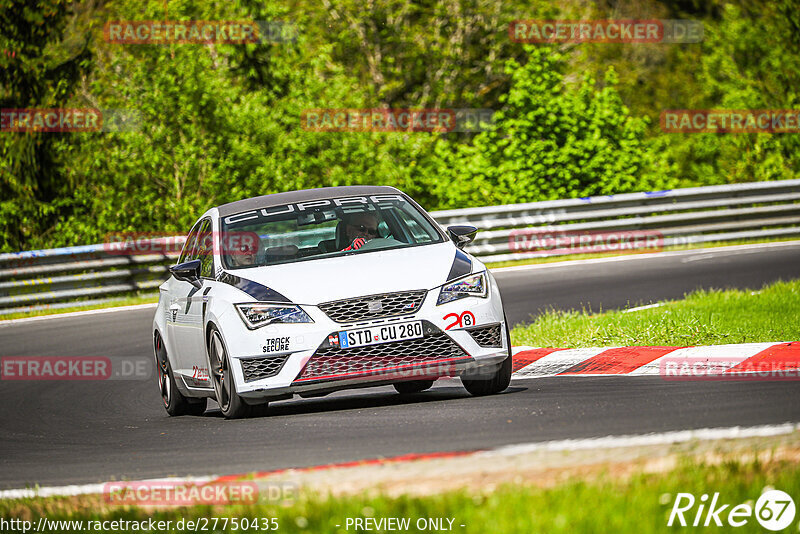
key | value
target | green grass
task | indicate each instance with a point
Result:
(639, 504)
(128, 301)
(703, 318)
(570, 257)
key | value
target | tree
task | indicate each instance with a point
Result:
(38, 68)
(550, 140)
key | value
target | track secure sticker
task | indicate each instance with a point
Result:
(276, 344)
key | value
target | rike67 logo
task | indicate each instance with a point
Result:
(774, 510)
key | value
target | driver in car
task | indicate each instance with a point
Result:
(244, 255)
(360, 228)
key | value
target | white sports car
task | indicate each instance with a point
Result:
(314, 291)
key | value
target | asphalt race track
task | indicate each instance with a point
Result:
(56, 433)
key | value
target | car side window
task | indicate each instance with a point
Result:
(205, 250)
(188, 247)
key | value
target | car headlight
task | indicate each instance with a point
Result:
(257, 314)
(470, 286)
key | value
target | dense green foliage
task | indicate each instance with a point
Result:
(34, 193)
(222, 122)
(548, 143)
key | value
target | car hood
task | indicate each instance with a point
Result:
(316, 281)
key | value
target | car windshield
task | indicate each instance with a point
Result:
(323, 229)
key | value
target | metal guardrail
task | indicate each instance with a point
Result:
(681, 216)
(58, 277)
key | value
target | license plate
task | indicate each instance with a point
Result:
(374, 335)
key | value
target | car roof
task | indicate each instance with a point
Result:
(304, 195)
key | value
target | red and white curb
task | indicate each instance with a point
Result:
(721, 360)
(640, 440)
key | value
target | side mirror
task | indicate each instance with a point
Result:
(188, 271)
(462, 235)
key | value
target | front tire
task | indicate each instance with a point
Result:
(230, 403)
(174, 401)
(498, 382)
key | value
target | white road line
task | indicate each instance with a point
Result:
(699, 257)
(663, 438)
(639, 308)
(9, 322)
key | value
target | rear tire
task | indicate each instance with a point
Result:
(173, 400)
(230, 403)
(413, 386)
(498, 382)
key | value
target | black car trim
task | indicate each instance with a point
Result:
(258, 291)
(462, 266)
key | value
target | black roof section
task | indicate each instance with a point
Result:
(305, 195)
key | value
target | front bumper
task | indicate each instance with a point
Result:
(311, 364)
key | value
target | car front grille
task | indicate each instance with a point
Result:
(365, 308)
(386, 358)
(487, 336)
(260, 368)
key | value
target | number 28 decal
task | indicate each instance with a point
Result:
(465, 319)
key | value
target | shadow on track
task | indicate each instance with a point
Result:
(378, 399)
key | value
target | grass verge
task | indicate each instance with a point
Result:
(710, 317)
(640, 503)
(128, 301)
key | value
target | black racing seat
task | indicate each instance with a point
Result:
(280, 254)
(336, 244)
